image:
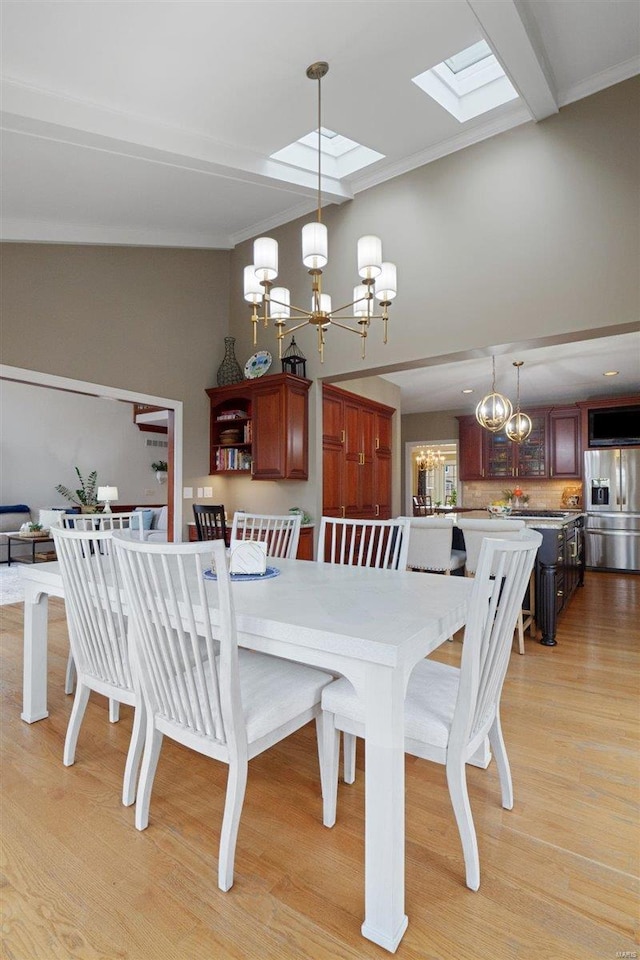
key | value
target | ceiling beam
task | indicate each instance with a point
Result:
(515, 41)
(50, 116)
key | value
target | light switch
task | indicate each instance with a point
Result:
(208, 492)
(187, 493)
(200, 493)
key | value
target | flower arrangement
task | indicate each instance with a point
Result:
(516, 494)
(86, 495)
(160, 466)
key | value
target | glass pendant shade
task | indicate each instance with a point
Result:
(386, 285)
(265, 257)
(360, 301)
(253, 291)
(315, 246)
(518, 427)
(280, 300)
(369, 257)
(493, 411)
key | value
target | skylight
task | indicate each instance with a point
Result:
(340, 155)
(468, 83)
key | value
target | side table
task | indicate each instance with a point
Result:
(34, 541)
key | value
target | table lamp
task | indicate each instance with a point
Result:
(106, 495)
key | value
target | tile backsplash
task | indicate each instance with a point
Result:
(543, 494)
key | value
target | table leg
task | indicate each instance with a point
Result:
(34, 684)
(385, 920)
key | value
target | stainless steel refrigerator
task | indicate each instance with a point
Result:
(612, 502)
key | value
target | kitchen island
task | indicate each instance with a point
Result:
(559, 569)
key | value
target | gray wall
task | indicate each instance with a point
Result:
(148, 320)
(530, 234)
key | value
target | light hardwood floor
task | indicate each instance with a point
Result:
(557, 872)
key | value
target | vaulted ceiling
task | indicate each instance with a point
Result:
(153, 123)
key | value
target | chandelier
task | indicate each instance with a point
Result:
(518, 427)
(378, 279)
(430, 460)
(494, 410)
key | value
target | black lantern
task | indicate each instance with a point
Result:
(294, 360)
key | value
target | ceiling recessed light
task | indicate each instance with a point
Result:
(611, 373)
(468, 390)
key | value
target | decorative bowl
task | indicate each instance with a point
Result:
(497, 510)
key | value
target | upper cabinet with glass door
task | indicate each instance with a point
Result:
(504, 458)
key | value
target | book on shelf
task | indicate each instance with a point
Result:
(232, 415)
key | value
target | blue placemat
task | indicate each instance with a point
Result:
(239, 577)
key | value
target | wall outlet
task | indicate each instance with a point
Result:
(208, 492)
(200, 493)
(150, 492)
(187, 493)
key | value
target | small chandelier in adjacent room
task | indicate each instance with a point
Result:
(377, 278)
(430, 460)
(518, 427)
(494, 410)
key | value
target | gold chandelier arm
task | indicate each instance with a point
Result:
(293, 329)
(343, 326)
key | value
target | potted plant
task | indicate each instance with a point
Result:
(86, 496)
(161, 468)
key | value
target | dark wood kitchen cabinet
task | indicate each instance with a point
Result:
(471, 449)
(261, 427)
(565, 443)
(553, 449)
(559, 572)
(356, 456)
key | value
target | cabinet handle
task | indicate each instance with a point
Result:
(574, 551)
(560, 558)
(560, 593)
(377, 443)
(362, 459)
(377, 509)
(342, 436)
(343, 512)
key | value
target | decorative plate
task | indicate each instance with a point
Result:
(258, 364)
(239, 577)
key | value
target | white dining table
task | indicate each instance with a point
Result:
(372, 626)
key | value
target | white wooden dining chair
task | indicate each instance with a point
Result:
(224, 702)
(280, 533)
(98, 638)
(131, 520)
(449, 711)
(382, 544)
(474, 531)
(100, 521)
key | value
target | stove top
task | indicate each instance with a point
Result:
(550, 514)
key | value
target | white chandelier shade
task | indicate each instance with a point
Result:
(378, 278)
(315, 246)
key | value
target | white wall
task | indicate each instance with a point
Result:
(46, 433)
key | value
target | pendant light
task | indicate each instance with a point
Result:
(494, 410)
(518, 426)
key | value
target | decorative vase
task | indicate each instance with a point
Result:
(229, 370)
(92, 508)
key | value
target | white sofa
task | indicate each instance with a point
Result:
(159, 524)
